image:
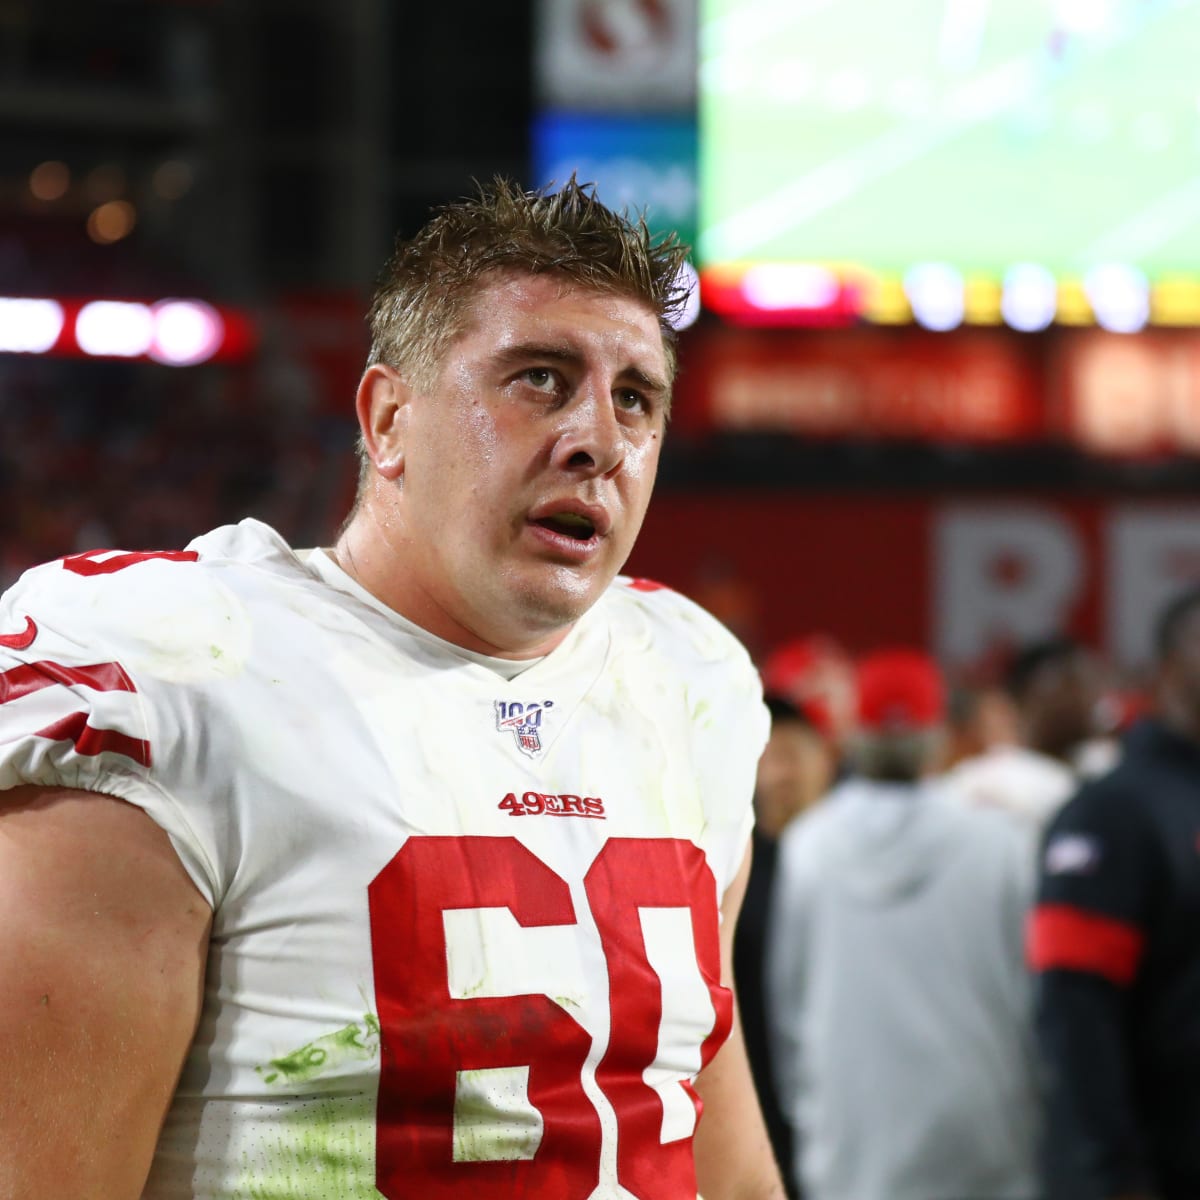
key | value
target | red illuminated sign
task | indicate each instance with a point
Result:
(174, 331)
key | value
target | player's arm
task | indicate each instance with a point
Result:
(103, 939)
(1087, 940)
(734, 1160)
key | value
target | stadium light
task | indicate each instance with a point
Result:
(29, 326)
(1120, 297)
(115, 329)
(690, 309)
(175, 331)
(779, 286)
(1030, 297)
(186, 332)
(937, 295)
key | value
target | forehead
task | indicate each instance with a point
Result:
(511, 308)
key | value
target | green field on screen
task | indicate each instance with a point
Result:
(975, 132)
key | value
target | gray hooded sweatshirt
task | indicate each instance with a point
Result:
(898, 1000)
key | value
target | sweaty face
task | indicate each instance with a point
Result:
(529, 463)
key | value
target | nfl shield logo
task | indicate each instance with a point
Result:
(524, 721)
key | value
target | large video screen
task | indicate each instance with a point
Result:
(1040, 156)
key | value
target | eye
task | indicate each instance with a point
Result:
(629, 400)
(542, 378)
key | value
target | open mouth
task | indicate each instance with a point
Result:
(568, 524)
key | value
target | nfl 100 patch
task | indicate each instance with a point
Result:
(524, 722)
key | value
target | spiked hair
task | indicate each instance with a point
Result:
(423, 298)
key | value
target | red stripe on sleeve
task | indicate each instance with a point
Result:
(90, 742)
(1065, 938)
(31, 677)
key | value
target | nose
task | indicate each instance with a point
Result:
(591, 440)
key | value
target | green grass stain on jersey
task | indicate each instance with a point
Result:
(325, 1151)
(482, 1132)
(357, 1042)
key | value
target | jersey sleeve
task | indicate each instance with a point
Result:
(1096, 887)
(1087, 939)
(74, 711)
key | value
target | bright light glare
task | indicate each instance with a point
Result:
(29, 326)
(1085, 16)
(113, 328)
(111, 222)
(1030, 297)
(186, 332)
(775, 286)
(1119, 296)
(687, 313)
(936, 293)
(50, 180)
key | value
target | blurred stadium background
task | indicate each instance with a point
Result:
(945, 386)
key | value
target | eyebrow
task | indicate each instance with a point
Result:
(522, 352)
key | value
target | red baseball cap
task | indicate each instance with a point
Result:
(816, 675)
(899, 690)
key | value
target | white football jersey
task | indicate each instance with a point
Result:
(465, 927)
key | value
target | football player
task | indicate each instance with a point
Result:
(408, 866)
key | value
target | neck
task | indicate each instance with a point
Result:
(379, 555)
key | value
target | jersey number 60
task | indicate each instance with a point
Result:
(428, 1036)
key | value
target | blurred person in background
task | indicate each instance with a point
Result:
(797, 768)
(407, 866)
(1056, 686)
(1116, 941)
(816, 675)
(898, 1000)
(978, 719)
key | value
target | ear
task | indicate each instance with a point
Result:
(382, 405)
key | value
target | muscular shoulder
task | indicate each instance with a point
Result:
(670, 625)
(172, 613)
(674, 646)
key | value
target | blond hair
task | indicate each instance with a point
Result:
(423, 298)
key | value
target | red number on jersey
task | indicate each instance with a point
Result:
(428, 1036)
(89, 563)
(630, 874)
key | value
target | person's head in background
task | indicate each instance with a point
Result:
(978, 719)
(1177, 648)
(816, 676)
(797, 768)
(1056, 685)
(901, 716)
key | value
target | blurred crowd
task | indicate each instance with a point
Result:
(106, 454)
(967, 957)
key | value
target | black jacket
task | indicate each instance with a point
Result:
(1116, 941)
